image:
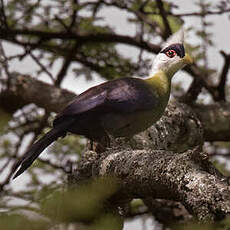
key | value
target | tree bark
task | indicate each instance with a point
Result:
(166, 161)
(146, 168)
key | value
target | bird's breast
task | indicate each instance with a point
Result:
(126, 125)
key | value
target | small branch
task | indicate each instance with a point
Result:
(223, 76)
(202, 14)
(193, 92)
(214, 117)
(80, 37)
(3, 14)
(192, 14)
(69, 58)
(62, 23)
(4, 62)
(74, 14)
(24, 90)
(5, 165)
(198, 83)
(42, 66)
(163, 14)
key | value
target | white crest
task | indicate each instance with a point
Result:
(177, 37)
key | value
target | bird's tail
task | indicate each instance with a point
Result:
(37, 148)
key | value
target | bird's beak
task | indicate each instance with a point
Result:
(187, 59)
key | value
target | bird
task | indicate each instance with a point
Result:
(121, 107)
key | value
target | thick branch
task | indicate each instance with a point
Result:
(9, 34)
(25, 90)
(215, 120)
(144, 172)
(168, 176)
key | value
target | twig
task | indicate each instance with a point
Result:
(42, 66)
(2, 10)
(201, 14)
(223, 76)
(74, 15)
(163, 14)
(198, 83)
(80, 37)
(5, 59)
(66, 64)
(192, 14)
(62, 23)
(193, 91)
(5, 165)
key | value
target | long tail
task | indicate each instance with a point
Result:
(36, 149)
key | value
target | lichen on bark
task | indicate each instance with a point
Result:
(165, 161)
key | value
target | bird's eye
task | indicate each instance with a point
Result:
(171, 53)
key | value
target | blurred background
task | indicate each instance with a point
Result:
(74, 45)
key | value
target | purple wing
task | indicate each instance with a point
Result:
(123, 95)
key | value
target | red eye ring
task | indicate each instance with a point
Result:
(171, 53)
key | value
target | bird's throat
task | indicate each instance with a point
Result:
(161, 83)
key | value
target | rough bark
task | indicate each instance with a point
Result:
(145, 172)
(23, 90)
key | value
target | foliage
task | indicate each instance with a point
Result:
(82, 205)
(76, 37)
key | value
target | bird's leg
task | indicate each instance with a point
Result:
(91, 144)
(102, 143)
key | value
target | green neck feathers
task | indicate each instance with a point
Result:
(161, 83)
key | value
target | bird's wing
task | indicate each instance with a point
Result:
(131, 95)
(122, 95)
(87, 101)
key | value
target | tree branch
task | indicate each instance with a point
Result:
(8, 34)
(84, 37)
(200, 14)
(187, 177)
(215, 120)
(163, 14)
(24, 90)
(223, 76)
(66, 64)
(169, 176)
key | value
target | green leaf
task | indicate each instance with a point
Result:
(82, 203)
(17, 222)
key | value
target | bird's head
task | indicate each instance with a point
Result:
(172, 56)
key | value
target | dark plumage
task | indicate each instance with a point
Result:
(106, 108)
(120, 108)
(114, 100)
